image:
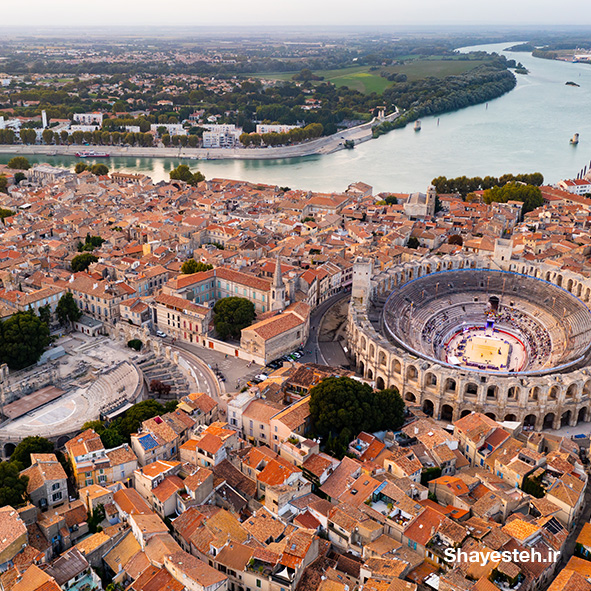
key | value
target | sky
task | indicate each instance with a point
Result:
(295, 12)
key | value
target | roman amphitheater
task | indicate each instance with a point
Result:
(468, 333)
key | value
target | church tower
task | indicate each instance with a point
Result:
(431, 200)
(277, 289)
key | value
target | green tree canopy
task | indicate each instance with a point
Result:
(5, 213)
(19, 163)
(3, 183)
(343, 407)
(90, 243)
(67, 309)
(413, 242)
(80, 167)
(81, 262)
(530, 195)
(13, 487)
(391, 200)
(192, 266)
(99, 169)
(183, 173)
(23, 338)
(45, 314)
(31, 445)
(231, 315)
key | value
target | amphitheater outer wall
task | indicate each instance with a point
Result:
(541, 401)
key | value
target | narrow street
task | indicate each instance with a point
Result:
(313, 350)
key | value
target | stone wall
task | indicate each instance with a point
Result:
(447, 393)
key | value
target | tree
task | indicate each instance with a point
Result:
(18, 177)
(3, 183)
(19, 163)
(341, 404)
(530, 195)
(391, 200)
(28, 136)
(31, 445)
(81, 262)
(90, 243)
(183, 173)
(391, 410)
(429, 474)
(344, 405)
(455, 239)
(67, 309)
(97, 426)
(5, 213)
(192, 266)
(23, 338)
(47, 136)
(45, 314)
(99, 169)
(119, 431)
(80, 167)
(95, 518)
(13, 487)
(413, 242)
(231, 315)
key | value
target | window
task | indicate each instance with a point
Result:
(55, 486)
(258, 582)
(57, 496)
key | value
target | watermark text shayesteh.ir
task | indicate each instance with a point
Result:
(484, 557)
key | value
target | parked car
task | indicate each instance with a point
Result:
(261, 377)
(161, 334)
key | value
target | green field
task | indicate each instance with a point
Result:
(364, 80)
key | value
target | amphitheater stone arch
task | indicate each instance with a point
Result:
(543, 399)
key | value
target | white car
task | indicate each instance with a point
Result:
(160, 334)
(262, 377)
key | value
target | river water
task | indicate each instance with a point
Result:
(526, 130)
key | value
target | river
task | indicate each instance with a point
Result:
(525, 130)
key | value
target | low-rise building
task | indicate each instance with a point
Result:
(48, 482)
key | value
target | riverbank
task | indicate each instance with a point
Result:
(324, 145)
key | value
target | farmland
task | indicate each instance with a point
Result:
(368, 79)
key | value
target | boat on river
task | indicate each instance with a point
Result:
(418, 125)
(91, 154)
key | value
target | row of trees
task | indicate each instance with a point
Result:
(180, 140)
(530, 195)
(99, 169)
(464, 185)
(432, 96)
(296, 135)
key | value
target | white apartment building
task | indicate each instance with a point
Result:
(214, 139)
(83, 128)
(263, 128)
(576, 186)
(88, 118)
(171, 128)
